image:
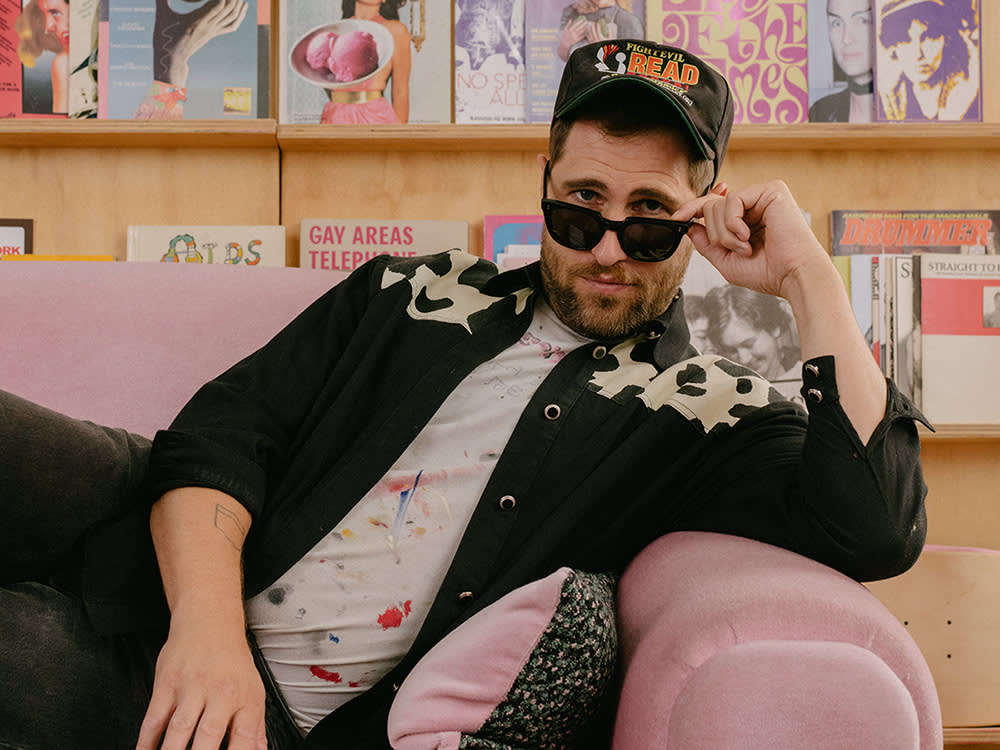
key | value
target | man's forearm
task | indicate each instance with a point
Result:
(827, 326)
(198, 534)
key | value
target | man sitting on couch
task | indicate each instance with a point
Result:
(431, 435)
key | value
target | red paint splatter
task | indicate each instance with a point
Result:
(354, 684)
(393, 617)
(324, 674)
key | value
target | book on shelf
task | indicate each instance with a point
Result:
(16, 237)
(490, 74)
(34, 60)
(761, 48)
(345, 244)
(501, 230)
(84, 17)
(839, 51)
(515, 256)
(233, 245)
(554, 28)
(336, 64)
(62, 257)
(960, 338)
(145, 73)
(945, 231)
(928, 61)
(753, 329)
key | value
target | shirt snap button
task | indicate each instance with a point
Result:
(815, 395)
(465, 596)
(552, 412)
(812, 370)
(507, 502)
(600, 352)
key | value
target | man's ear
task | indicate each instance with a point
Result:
(719, 188)
(541, 159)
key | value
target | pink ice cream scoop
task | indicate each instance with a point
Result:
(318, 51)
(353, 55)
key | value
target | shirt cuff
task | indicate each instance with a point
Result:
(819, 388)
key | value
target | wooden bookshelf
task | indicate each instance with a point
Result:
(84, 181)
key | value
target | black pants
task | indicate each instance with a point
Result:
(63, 686)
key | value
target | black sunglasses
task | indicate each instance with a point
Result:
(579, 228)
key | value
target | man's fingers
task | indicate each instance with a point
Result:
(248, 731)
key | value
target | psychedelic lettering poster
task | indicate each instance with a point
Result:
(759, 45)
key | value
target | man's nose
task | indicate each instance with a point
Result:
(608, 251)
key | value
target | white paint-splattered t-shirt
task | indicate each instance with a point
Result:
(347, 612)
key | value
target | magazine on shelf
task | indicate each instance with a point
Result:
(960, 338)
(34, 61)
(554, 28)
(490, 74)
(501, 230)
(840, 61)
(753, 329)
(928, 61)
(16, 237)
(345, 244)
(903, 355)
(861, 293)
(83, 35)
(515, 256)
(337, 67)
(226, 77)
(233, 245)
(761, 48)
(910, 232)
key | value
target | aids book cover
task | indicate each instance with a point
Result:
(232, 245)
(928, 60)
(759, 45)
(490, 70)
(337, 65)
(554, 28)
(151, 75)
(960, 338)
(951, 231)
(345, 244)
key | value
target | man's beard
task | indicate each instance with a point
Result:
(601, 316)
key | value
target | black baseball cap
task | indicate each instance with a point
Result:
(696, 90)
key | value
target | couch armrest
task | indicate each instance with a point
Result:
(697, 609)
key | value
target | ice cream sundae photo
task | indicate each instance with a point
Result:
(342, 54)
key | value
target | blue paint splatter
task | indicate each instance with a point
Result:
(404, 503)
(334, 638)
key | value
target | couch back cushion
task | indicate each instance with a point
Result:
(126, 344)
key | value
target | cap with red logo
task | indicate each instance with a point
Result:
(697, 91)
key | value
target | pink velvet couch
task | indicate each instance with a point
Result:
(726, 642)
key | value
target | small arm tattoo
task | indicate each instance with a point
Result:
(227, 522)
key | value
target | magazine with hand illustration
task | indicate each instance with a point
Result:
(155, 71)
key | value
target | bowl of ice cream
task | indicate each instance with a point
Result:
(341, 54)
